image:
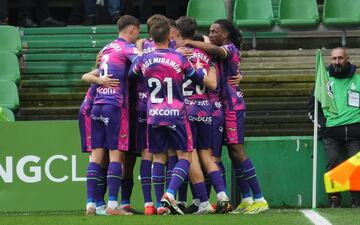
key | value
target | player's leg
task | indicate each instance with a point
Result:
(243, 166)
(179, 138)
(94, 167)
(117, 139)
(212, 170)
(199, 188)
(145, 177)
(216, 145)
(127, 183)
(146, 162)
(158, 145)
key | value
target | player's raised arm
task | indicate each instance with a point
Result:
(207, 47)
(93, 77)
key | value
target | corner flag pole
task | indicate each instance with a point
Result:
(315, 145)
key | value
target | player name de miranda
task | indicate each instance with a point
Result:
(162, 60)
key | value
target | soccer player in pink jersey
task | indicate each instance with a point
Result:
(226, 43)
(164, 71)
(199, 110)
(109, 127)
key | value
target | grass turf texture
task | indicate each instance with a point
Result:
(271, 217)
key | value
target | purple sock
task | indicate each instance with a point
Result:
(200, 190)
(145, 177)
(193, 192)
(158, 180)
(92, 178)
(182, 192)
(207, 185)
(114, 180)
(180, 173)
(217, 181)
(249, 175)
(126, 190)
(243, 185)
(223, 172)
(101, 187)
(169, 168)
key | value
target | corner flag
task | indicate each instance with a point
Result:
(322, 86)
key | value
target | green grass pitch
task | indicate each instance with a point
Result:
(271, 217)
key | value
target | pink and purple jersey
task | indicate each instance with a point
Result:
(231, 96)
(148, 47)
(116, 59)
(214, 95)
(88, 101)
(164, 71)
(196, 95)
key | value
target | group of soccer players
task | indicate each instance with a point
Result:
(175, 99)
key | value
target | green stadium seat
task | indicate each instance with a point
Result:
(341, 12)
(6, 115)
(206, 11)
(295, 13)
(9, 97)
(9, 67)
(253, 14)
(10, 39)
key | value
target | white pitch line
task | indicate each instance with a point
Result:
(315, 217)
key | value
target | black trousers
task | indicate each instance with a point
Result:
(342, 142)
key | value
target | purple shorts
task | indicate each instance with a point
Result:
(110, 127)
(85, 126)
(177, 137)
(234, 127)
(140, 131)
(201, 131)
(217, 134)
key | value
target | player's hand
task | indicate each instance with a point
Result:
(199, 65)
(185, 51)
(107, 81)
(235, 80)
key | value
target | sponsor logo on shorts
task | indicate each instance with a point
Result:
(205, 119)
(221, 129)
(105, 120)
(240, 94)
(164, 112)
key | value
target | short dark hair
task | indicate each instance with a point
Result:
(153, 20)
(186, 26)
(198, 37)
(160, 31)
(172, 23)
(127, 20)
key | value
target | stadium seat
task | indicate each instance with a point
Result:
(206, 11)
(7, 113)
(9, 97)
(10, 39)
(294, 13)
(341, 12)
(253, 15)
(9, 67)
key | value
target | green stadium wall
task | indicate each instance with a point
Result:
(42, 168)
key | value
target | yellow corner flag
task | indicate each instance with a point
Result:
(322, 86)
(344, 177)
